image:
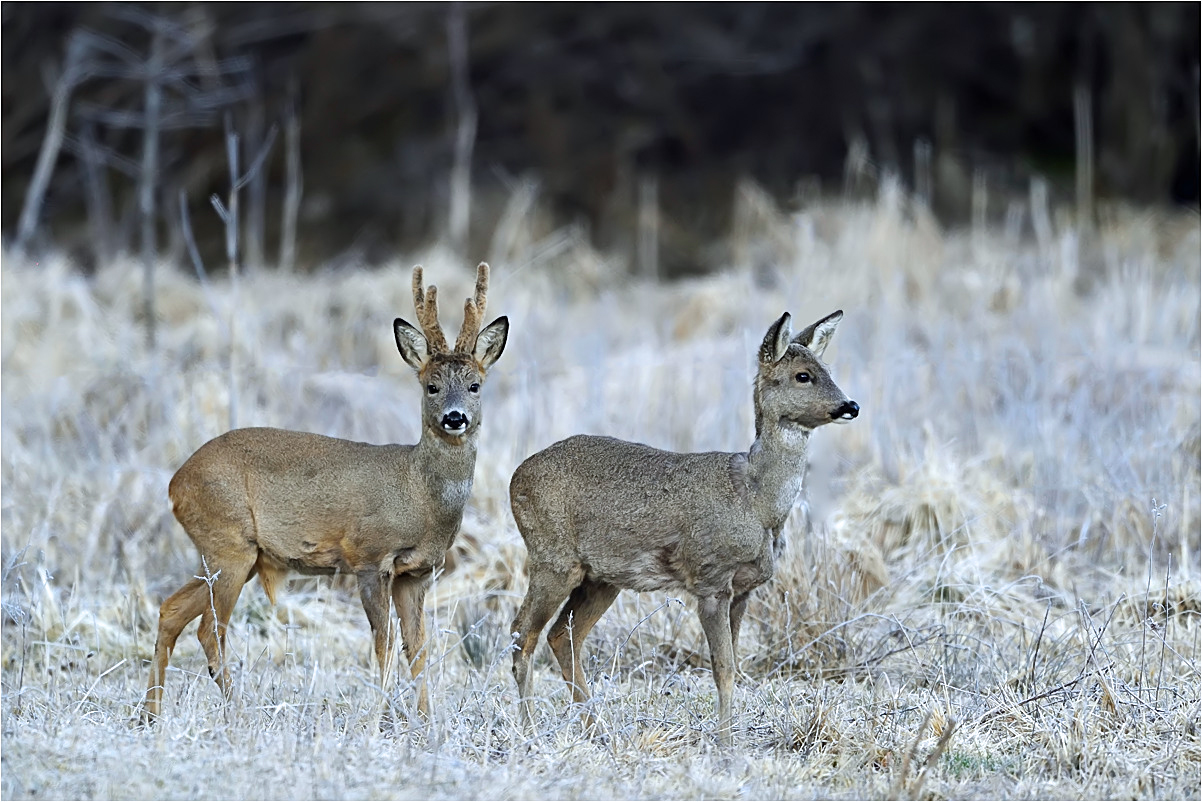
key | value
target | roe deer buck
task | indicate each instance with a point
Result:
(267, 501)
(599, 515)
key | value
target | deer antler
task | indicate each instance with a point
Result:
(426, 303)
(473, 313)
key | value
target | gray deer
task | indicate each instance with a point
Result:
(599, 515)
(267, 501)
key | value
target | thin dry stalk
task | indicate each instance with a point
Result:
(932, 758)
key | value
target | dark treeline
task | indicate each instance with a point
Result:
(609, 107)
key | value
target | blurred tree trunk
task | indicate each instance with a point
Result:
(465, 130)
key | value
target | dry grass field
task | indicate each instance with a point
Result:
(992, 592)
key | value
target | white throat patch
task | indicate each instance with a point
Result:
(794, 435)
(455, 494)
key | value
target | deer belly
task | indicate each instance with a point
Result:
(653, 569)
(336, 552)
(314, 559)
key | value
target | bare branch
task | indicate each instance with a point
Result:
(251, 173)
(86, 147)
(103, 43)
(137, 72)
(222, 212)
(193, 252)
(169, 119)
(73, 70)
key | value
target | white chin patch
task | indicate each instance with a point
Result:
(843, 419)
(794, 434)
(455, 431)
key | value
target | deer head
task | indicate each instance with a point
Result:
(793, 388)
(451, 378)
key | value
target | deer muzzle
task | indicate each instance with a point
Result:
(847, 411)
(455, 422)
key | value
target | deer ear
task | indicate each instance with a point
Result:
(411, 343)
(776, 341)
(818, 335)
(491, 342)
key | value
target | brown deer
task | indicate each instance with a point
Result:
(599, 515)
(267, 501)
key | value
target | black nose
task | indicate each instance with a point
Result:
(454, 420)
(847, 411)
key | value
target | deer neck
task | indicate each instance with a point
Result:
(776, 467)
(446, 466)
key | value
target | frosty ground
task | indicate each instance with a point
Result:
(1004, 546)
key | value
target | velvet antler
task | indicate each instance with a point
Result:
(473, 313)
(426, 303)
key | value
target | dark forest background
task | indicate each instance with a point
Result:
(608, 107)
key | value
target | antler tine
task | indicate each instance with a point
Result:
(426, 304)
(481, 287)
(419, 297)
(473, 312)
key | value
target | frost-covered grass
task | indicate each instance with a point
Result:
(1004, 545)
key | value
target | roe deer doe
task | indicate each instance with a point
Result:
(599, 515)
(267, 501)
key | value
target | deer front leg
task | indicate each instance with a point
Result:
(715, 620)
(373, 590)
(409, 598)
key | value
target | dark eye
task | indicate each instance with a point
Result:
(431, 389)
(475, 388)
(803, 377)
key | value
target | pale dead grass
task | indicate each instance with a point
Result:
(993, 589)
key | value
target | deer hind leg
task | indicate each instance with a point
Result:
(547, 591)
(409, 598)
(715, 620)
(176, 612)
(738, 607)
(585, 606)
(227, 573)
